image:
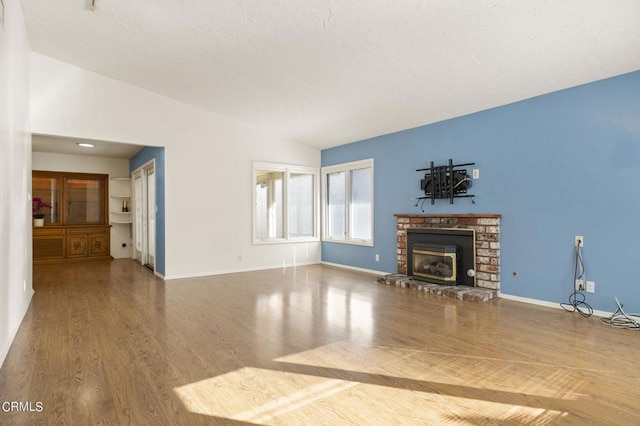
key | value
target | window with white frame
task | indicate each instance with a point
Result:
(348, 202)
(286, 202)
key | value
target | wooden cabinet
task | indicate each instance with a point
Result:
(99, 245)
(49, 243)
(76, 225)
(55, 243)
(77, 246)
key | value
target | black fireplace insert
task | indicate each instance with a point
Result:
(441, 256)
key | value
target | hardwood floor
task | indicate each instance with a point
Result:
(109, 343)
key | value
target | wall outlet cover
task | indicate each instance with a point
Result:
(591, 287)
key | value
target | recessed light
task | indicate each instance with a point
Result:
(86, 145)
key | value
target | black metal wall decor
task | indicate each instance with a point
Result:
(445, 182)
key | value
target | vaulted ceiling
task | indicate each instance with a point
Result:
(329, 72)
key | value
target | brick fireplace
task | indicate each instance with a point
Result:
(487, 231)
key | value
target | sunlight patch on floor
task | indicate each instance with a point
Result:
(501, 375)
(265, 396)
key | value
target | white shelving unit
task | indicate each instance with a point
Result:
(120, 195)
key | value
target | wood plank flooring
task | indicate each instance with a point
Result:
(108, 343)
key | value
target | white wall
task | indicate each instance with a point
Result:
(15, 176)
(208, 163)
(113, 167)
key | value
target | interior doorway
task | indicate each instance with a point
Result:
(144, 200)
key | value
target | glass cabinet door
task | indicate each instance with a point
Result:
(46, 189)
(75, 198)
(84, 199)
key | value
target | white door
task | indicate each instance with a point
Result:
(151, 219)
(144, 199)
(138, 222)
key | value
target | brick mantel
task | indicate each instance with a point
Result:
(487, 227)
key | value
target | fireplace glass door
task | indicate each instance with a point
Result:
(438, 264)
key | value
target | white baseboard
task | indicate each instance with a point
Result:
(4, 351)
(234, 271)
(364, 271)
(547, 304)
(356, 269)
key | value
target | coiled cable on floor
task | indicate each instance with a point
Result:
(620, 319)
(578, 304)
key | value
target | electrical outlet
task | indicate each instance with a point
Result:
(591, 287)
(475, 173)
(579, 285)
(578, 241)
(377, 258)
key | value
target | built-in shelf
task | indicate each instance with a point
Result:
(121, 217)
(121, 193)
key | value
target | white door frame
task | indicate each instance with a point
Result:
(144, 212)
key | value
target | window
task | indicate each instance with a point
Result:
(285, 203)
(348, 202)
(301, 205)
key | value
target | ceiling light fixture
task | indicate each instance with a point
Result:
(86, 145)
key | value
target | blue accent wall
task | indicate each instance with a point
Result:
(554, 166)
(144, 156)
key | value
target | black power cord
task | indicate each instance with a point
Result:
(577, 300)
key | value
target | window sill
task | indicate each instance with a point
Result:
(285, 241)
(350, 242)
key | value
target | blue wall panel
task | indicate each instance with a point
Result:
(554, 166)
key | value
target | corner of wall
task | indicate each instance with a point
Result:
(15, 174)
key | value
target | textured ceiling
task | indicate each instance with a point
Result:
(330, 72)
